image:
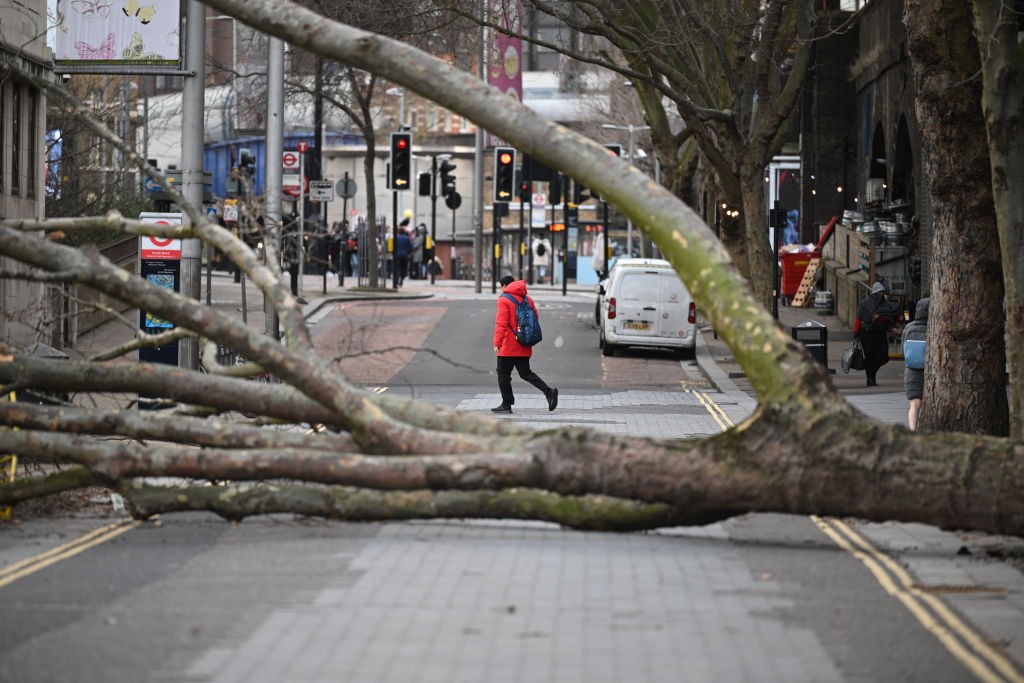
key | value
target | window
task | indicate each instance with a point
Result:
(15, 138)
(3, 132)
(32, 148)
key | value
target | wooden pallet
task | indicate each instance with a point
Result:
(800, 300)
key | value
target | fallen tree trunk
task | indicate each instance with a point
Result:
(949, 480)
(804, 451)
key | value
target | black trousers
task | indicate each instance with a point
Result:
(522, 364)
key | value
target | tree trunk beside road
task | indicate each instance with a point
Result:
(965, 378)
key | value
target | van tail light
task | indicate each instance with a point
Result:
(692, 318)
(611, 308)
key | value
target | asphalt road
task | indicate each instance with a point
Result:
(192, 598)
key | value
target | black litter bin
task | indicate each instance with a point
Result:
(814, 336)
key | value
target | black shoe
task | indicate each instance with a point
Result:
(502, 409)
(552, 399)
(872, 383)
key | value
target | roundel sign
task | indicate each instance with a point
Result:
(290, 161)
(160, 248)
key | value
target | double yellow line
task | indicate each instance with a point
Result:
(63, 552)
(961, 640)
(716, 410)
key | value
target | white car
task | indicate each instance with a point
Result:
(643, 303)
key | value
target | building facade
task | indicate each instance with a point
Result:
(23, 320)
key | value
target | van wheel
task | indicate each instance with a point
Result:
(606, 348)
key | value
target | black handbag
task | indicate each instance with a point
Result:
(853, 357)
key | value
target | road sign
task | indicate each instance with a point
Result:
(290, 161)
(321, 191)
(346, 188)
(149, 185)
(303, 147)
(540, 199)
(291, 183)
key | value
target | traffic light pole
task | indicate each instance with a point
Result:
(432, 267)
(528, 246)
(394, 239)
(565, 234)
(604, 239)
(495, 247)
(519, 244)
(301, 246)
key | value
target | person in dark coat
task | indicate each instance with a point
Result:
(913, 378)
(511, 354)
(402, 250)
(875, 316)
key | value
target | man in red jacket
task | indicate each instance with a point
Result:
(511, 354)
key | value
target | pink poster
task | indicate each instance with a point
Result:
(505, 63)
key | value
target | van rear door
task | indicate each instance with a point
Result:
(637, 303)
(673, 305)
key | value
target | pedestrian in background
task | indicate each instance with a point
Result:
(875, 317)
(402, 250)
(419, 237)
(511, 354)
(542, 257)
(914, 339)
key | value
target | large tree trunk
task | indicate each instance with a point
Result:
(755, 222)
(996, 24)
(965, 380)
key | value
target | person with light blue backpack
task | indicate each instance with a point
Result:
(914, 344)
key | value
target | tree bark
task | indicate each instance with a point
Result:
(965, 380)
(996, 25)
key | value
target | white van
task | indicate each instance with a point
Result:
(644, 303)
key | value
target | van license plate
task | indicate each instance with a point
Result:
(636, 325)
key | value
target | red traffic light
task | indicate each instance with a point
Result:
(505, 159)
(401, 143)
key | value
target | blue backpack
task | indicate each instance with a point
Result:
(528, 333)
(913, 349)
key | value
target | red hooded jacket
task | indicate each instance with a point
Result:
(505, 321)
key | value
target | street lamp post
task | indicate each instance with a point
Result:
(632, 152)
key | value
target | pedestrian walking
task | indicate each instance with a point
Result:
(402, 250)
(875, 317)
(541, 257)
(419, 237)
(914, 339)
(511, 354)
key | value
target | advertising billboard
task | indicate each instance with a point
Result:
(118, 36)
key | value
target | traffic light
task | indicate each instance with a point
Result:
(555, 188)
(504, 173)
(424, 188)
(447, 177)
(401, 161)
(246, 160)
(525, 191)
